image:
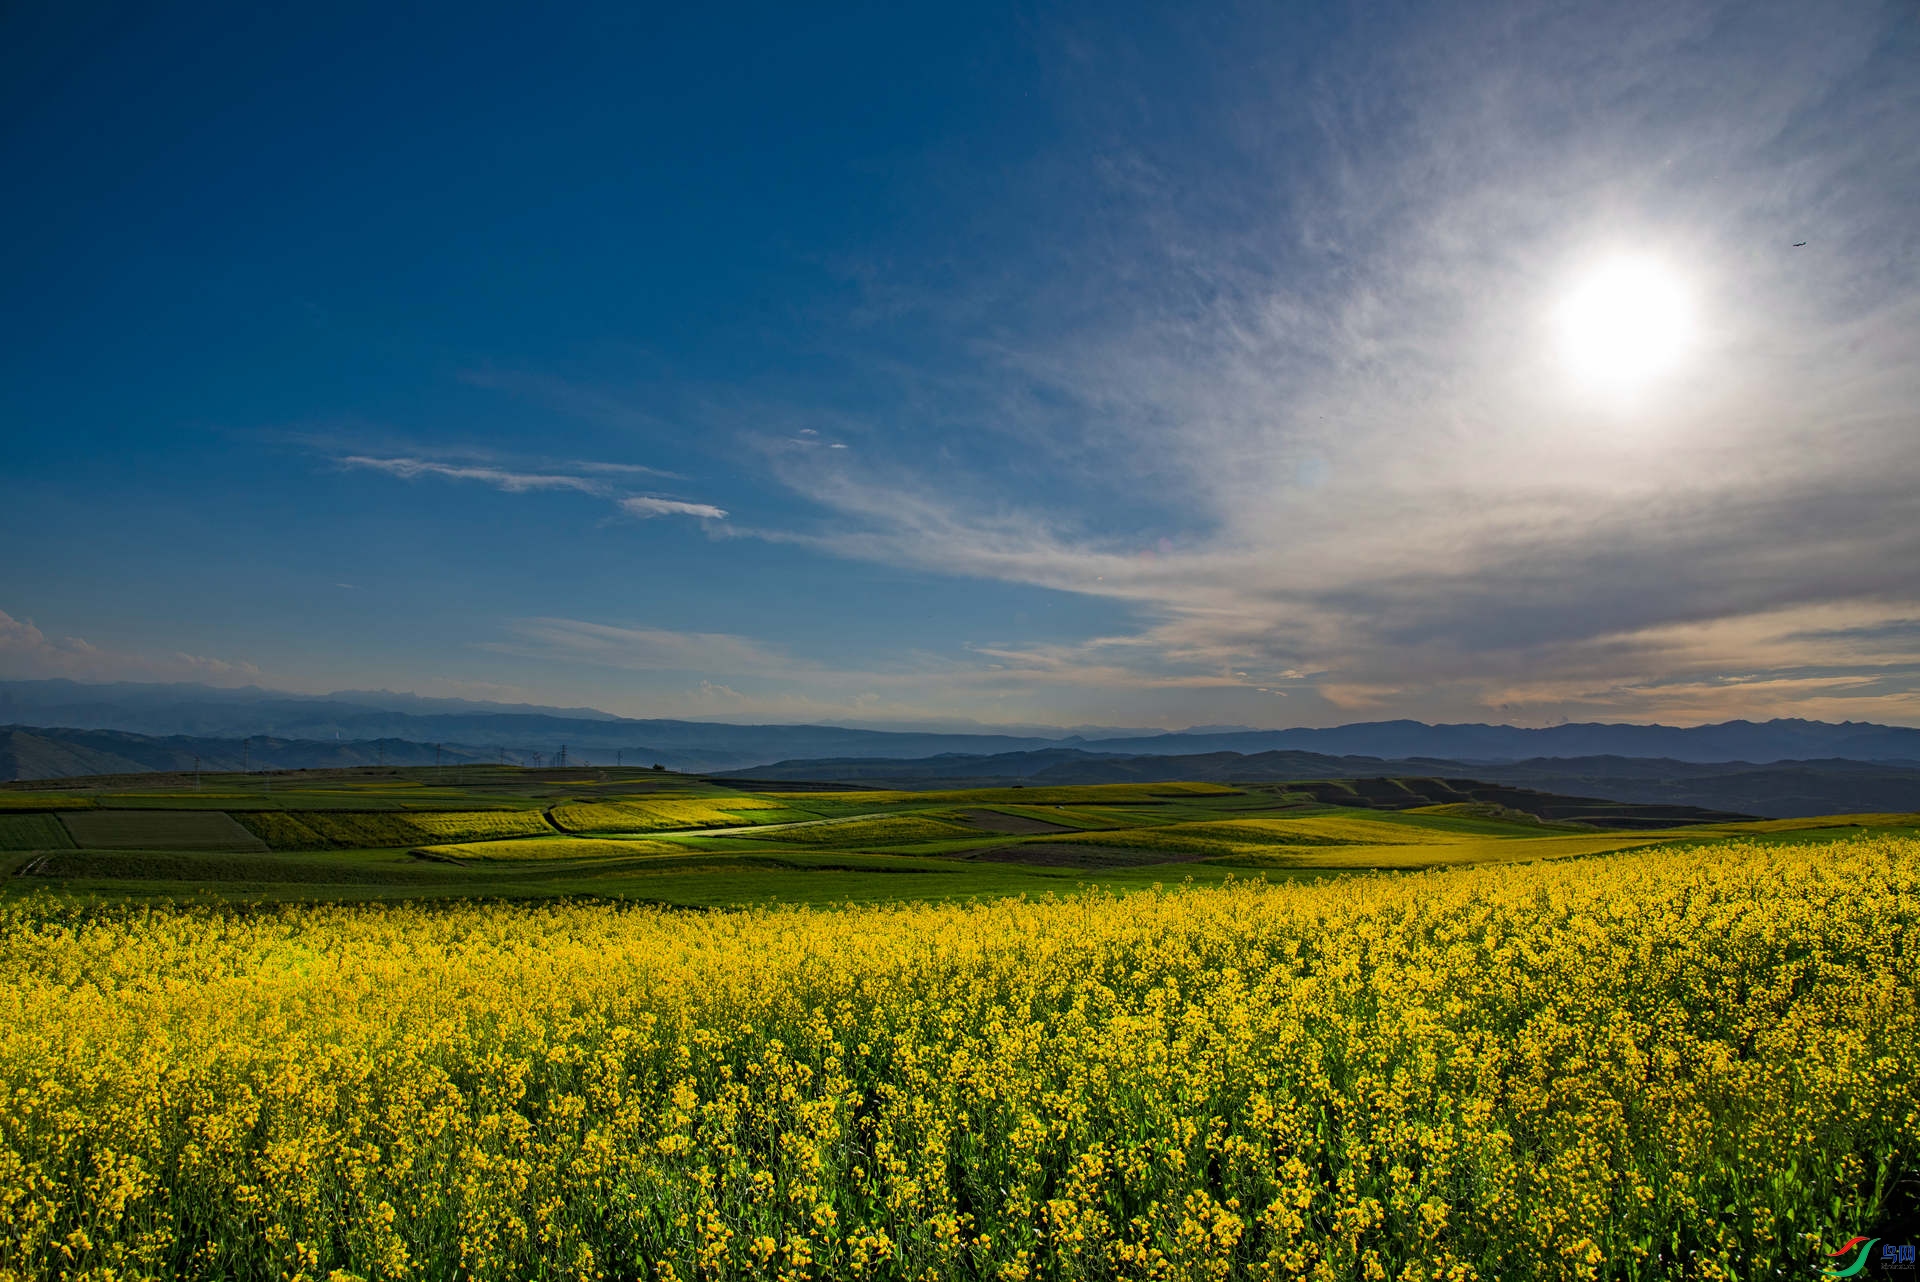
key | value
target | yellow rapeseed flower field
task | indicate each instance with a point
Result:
(1660, 1063)
(523, 848)
(660, 814)
(482, 825)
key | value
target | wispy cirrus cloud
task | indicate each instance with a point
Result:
(408, 469)
(646, 507)
(623, 469)
(514, 481)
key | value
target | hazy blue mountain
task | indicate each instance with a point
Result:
(1777, 789)
(29, 752)
(211, 712)
(217, 713)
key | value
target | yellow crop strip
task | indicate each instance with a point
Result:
(660, 815)
(552, 847)
(480, 825)
(41, 801)
(1661, 1063)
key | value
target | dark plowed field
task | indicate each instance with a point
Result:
(157, 830)
(1012, 825)
(1043, 854)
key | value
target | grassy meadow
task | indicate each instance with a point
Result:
(407, 1025)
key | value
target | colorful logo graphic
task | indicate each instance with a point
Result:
(1859, 1261)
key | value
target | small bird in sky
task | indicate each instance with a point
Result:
(1799, 244)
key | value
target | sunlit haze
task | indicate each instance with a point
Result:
(1628, 320)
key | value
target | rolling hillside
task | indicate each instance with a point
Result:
(1780, 790)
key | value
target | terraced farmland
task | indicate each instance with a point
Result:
(507, 833)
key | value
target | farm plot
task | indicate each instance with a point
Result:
(482, 825)
(334, 830)
(879, 830)
(549, 847)
(42, 801)
(1080, 854)
(1017, 825)
(1093, 794)
(665, 814)
(1319, 841)
(1491, 850)
(158, 830)
(33, 832)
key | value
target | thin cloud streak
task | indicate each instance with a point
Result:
(408, 469)
(644, 507)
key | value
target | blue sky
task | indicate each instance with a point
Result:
(1023, 364)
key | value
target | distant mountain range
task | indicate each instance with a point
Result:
(1778, 789)
(32, 752)
(1780, 768)
(488, 729)
(205, 711)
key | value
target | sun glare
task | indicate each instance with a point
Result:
(1625, 322)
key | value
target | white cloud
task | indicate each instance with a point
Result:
(646, 508)
(512, 482)
(622, 469)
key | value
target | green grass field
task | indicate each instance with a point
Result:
(33, 832)
(157, 830)
(504, 833)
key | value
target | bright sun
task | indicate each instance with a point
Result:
(1626, 321)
